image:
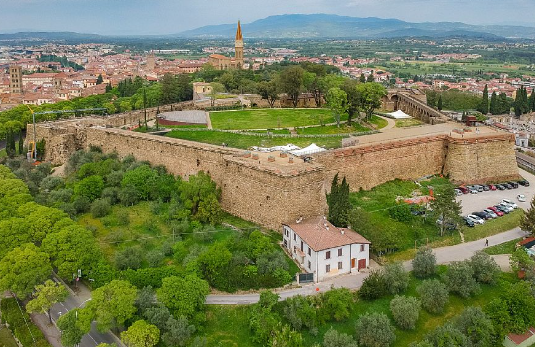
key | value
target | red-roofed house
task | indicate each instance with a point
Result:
(325, 250)
(520, 340)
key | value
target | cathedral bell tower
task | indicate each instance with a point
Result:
(239, 47)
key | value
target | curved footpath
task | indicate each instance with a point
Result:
(444, 255)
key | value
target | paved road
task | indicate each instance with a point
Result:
(354, 281)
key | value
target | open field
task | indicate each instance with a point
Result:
(246, 141)
(270, 118)
(229, 325)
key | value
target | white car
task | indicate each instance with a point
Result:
(509, 202)
(475, 219)
(521, 197)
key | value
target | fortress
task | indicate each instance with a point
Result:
(273, 192)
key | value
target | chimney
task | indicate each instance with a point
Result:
(342, 231)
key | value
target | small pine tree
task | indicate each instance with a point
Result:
(439, 106)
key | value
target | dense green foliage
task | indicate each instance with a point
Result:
(338, 202)
(21, 325)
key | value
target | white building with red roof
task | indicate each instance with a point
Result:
(324, 250)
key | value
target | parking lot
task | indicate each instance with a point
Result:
(478, 202)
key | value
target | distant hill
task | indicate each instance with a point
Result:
(334, 26)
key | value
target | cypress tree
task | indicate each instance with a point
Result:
(100, 79)
(494, 103)
(532, 100)
(484, 106)
(439, 106)
(503, 104)
(21, 143)
(332, 200)
(344, 204)
(370, 78)
(108, 88)
(362, 78)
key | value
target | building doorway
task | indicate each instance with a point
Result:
(362, 264)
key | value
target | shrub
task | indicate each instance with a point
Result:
(333, 338)
(424, 263)
(128, 196)
(485, 268)
(447, 335)
(81, 204)
(374, 286)
(401, 213)
(475, 325)
(460, 279)
(405, 311)
(336, 304)
(155, 258)
(396, 278)
(90, 187)
(129, 258)
(300, 312)
(100, 208)
(123, 217)
(61, 195)
(112, 194)
(375, 330)
(51, 182)
(433, 295)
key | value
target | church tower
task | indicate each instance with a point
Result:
(239, 47)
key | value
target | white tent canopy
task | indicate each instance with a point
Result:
(313, 148)
(399, 115)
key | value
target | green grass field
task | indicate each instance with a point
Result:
(229, 325)
(404, 123)
(333, 129)
(504, 248)
(378, 122)
(6, 339)
(246, 141)
(270, 118)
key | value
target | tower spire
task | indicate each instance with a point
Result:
(238, 32)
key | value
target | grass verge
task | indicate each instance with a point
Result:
(333, 129)
(410, 122)
(503, 248)
(378, 122)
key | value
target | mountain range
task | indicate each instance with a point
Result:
(334, 26)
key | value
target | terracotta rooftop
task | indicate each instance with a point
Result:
(518, 339)
(320, 234)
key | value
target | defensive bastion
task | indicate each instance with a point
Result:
(272, 192)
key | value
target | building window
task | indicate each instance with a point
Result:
(362, 248)
(309, 265)
(309, 251)
(328, 255)
(339, 252)
(285, 244)
(295, 238)
(327, 268)
(339, 265)
(302, 246)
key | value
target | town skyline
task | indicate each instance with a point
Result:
(162, 17)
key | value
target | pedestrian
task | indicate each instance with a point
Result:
(486, 242)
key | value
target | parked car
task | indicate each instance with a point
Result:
(490, 212)
(513, 184)
(473, 190)
(470, 223)
(482, 215)
(521, 197)
(524, 183)
(500, 187)
(475, 219)
(509, 202)
(495, 210)
(507, 186)
(486, 188)
(507, 208)
(479, 188)
(458, 192)
(463, 189)
(503, 209)
(492, 187)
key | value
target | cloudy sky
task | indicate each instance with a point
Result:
(133, 17)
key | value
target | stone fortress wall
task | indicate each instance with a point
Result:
(271, 193)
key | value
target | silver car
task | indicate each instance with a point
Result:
(491, 213)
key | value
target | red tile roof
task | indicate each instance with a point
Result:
(518, 339)
(320, 234)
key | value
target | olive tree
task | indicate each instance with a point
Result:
(375, 330)
(405, 310)
(433, 295)
(424, 263)
(460, 279)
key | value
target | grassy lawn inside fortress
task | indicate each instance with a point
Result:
(271, 118)
(246, 141)
(229, 325)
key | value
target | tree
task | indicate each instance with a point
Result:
(70, 249)
(300, 312)
(527, 222)
(269, 90)
(447, 335)
(433, 295)
(485, 268)
(90, 187)
(446, 208)
(521, 261)
(336, 304)
(460, 279)
(141, 334)
(213, 261)
(112, 304)
(216, 89)
(184, 296)
(338, 202)
(337, 102)
(494, 104)
(129, 258)
(370, 78)
(439, 104)
(475, 325)
(396, 278)
(375, 330)
(21, 144)
(46, 295)
(532, 100)
(424, 263)
(13, 233)
(374, 286)
(201, 196)
(362, 78)
(100, 79)
(371, 95)
(73, 326)
(140, 178)
(177, 331)
(23, 268)
(333, 338)
(353, 98)
(405, 310)
(484, 106)
(284, 336)
(291, 83)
